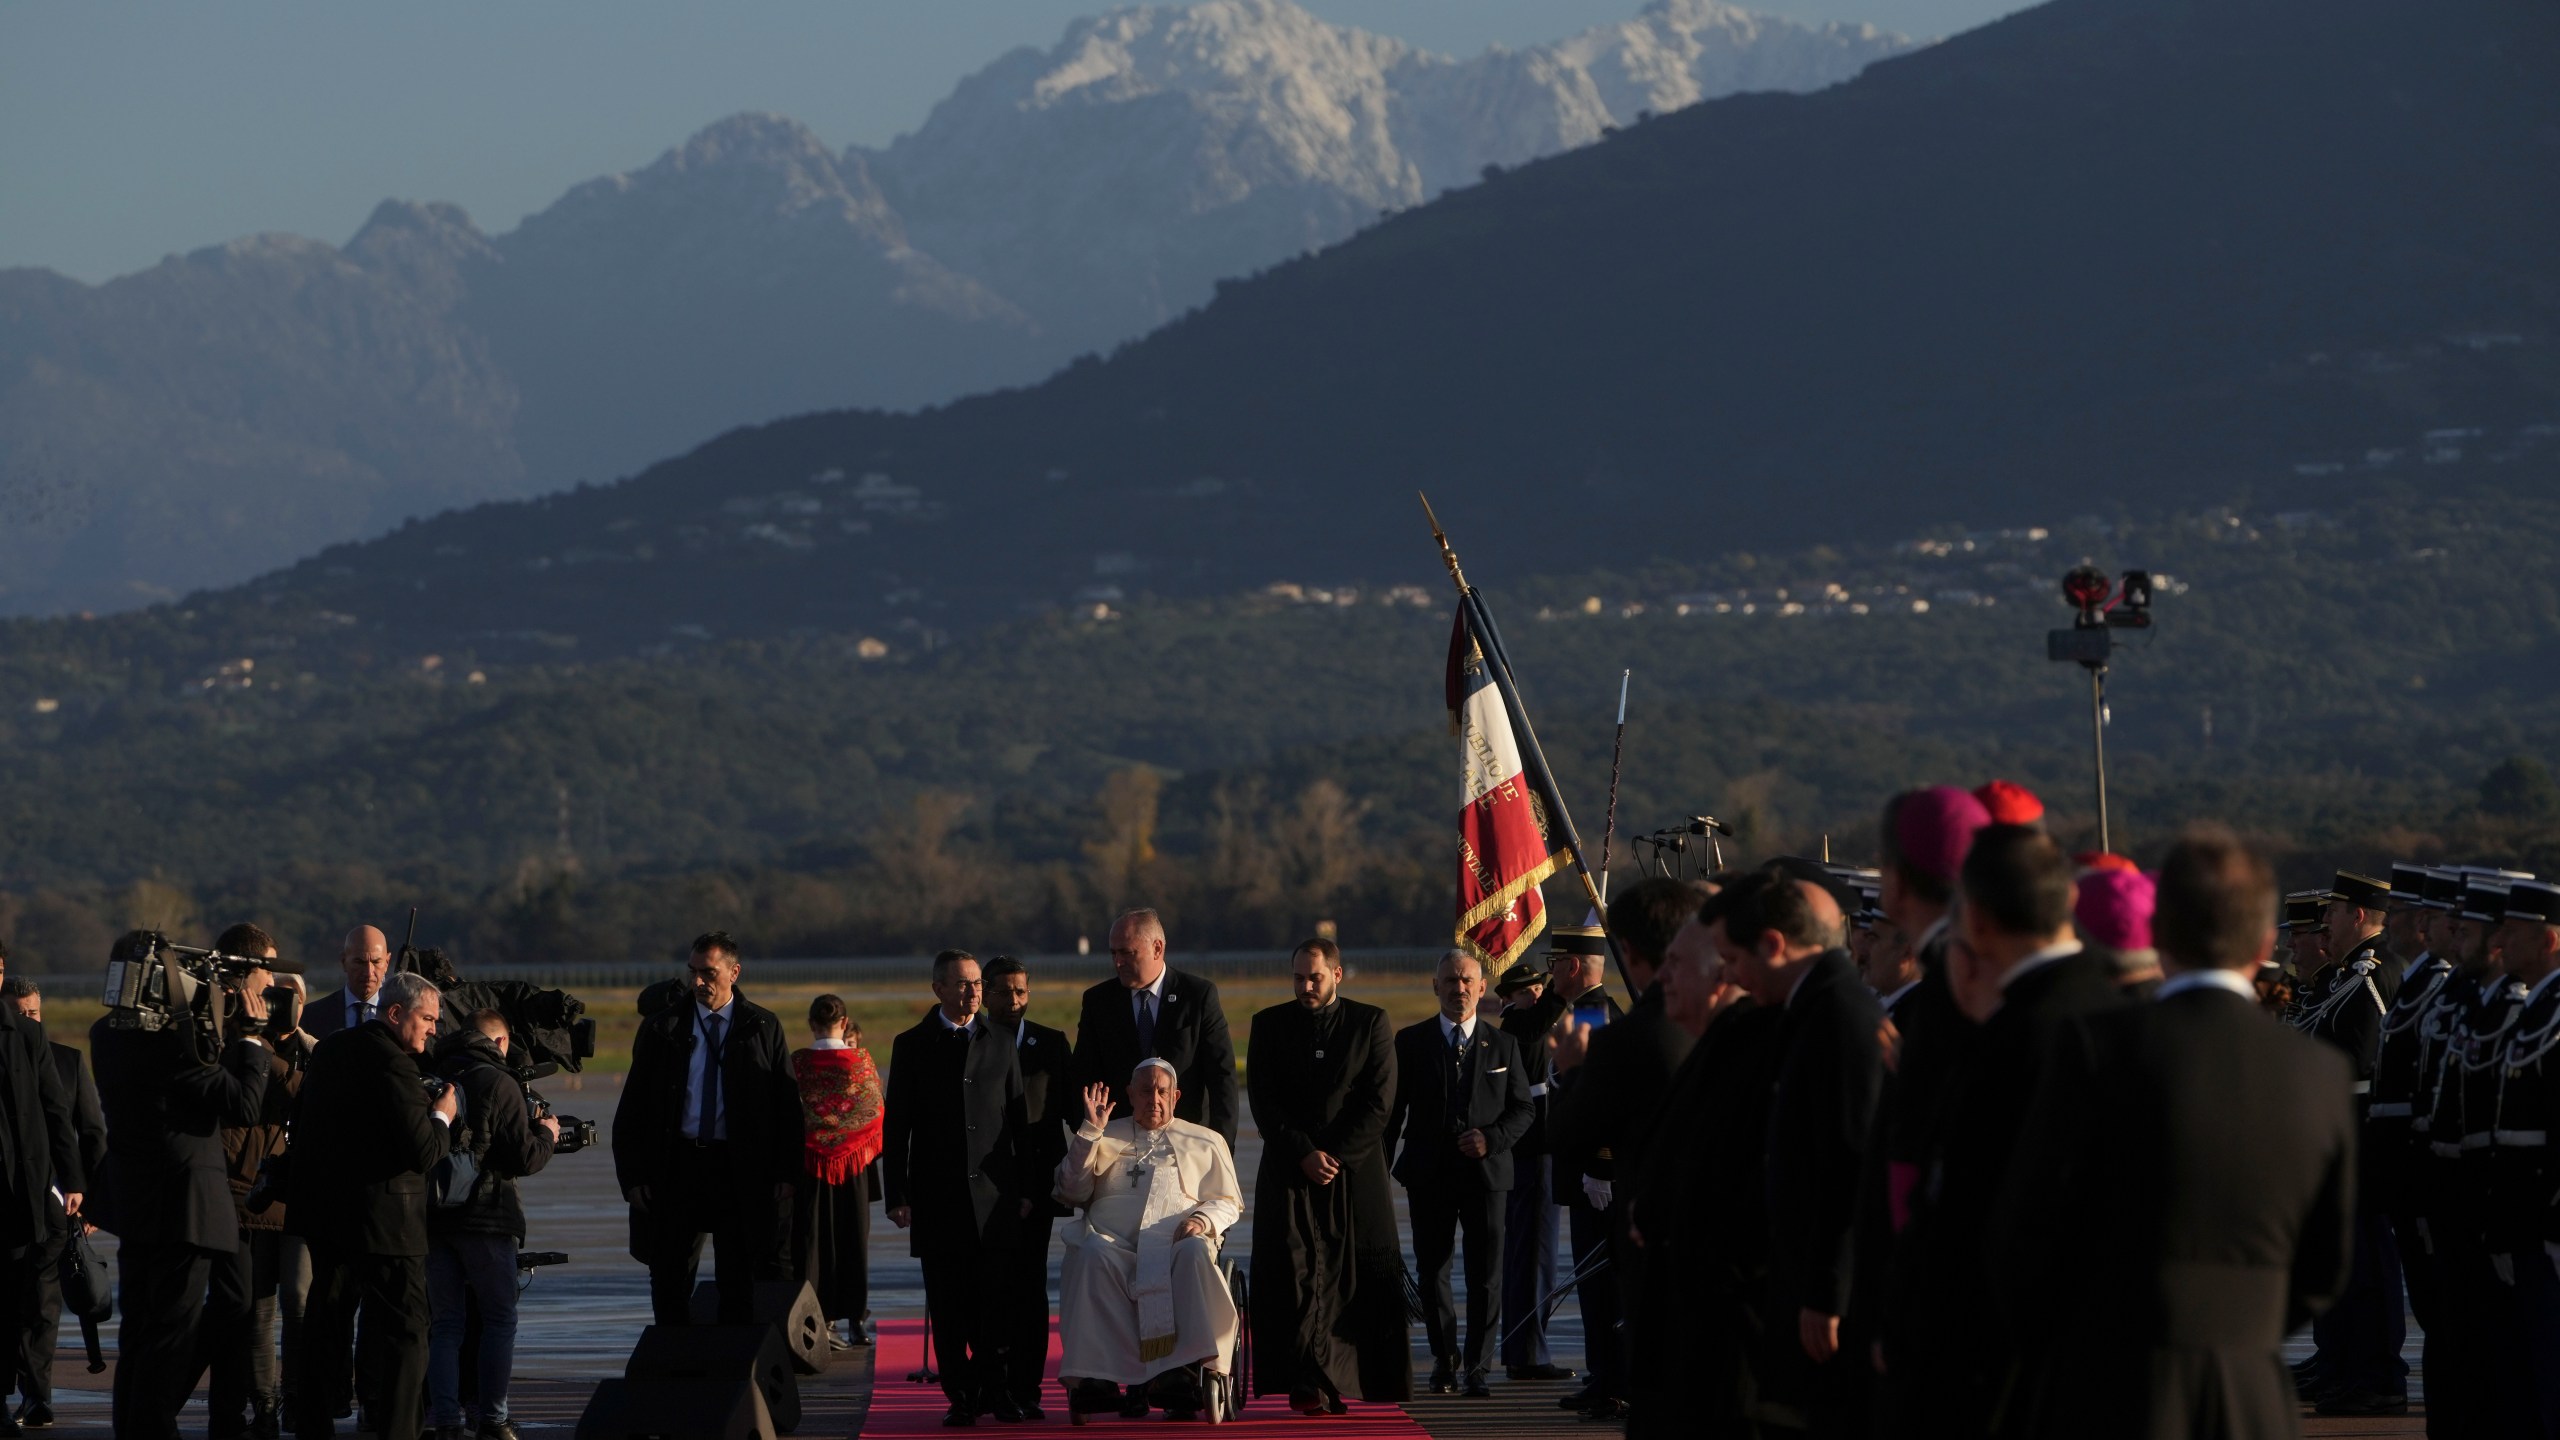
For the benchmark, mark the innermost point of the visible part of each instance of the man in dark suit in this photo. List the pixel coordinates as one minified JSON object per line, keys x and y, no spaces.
{"x":1773,"y":931}
{"x":1148,"y":1010}
{"x":1462,"y":1104}
{"x":35,"y":1351}
{"x":707,"y":1140}
{"x":2017,"y":969}
{"x":952,"y":1170}
{"x":365,"y":959}
{"x":165,"y":1105}
{"x":364,"y":1135}
{"x":2227,"y":1224}
{"x":1328,"y":1271}
{"x":1697,"y":1214}
{"x":1049,"y":1101}
{"x":43,"y":1148}
{"x":1603,"y":1110}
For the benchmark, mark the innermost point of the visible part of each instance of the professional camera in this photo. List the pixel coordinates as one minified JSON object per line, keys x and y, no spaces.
{"x":575,"y":1134}
{"x":153,"y":984}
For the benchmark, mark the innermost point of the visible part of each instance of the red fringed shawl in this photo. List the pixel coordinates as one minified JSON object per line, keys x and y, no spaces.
{"x":839,"y":1111}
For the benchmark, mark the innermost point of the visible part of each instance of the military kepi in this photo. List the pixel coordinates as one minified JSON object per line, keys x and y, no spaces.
{"x":1577,"y":940}
{"x":2361,"y":890}
{"x":2535,"y":900}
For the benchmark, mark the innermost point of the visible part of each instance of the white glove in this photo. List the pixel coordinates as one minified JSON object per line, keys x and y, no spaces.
{"x":2505,"y":1266}
{"x":1597,"y":1192}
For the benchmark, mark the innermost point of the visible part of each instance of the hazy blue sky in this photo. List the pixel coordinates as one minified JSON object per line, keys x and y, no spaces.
{"x":135,"y":129}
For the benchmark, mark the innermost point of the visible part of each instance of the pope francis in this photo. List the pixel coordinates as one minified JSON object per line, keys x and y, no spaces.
{"x":1139,"y":1294}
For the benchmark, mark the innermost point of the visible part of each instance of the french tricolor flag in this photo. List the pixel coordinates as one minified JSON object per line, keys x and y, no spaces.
{"x":1503,"y":852}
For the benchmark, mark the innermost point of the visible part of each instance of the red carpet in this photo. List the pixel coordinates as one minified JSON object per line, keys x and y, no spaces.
{"x":899,"y":1408}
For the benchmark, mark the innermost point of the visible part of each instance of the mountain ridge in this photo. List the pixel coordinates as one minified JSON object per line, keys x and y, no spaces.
{"x":195,"y":424}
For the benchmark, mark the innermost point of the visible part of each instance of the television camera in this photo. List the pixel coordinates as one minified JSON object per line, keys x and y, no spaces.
{"x":153,"y":983}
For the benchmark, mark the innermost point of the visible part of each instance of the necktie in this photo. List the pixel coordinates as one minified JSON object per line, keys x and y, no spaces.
{"x":1146,"y":1025}
{"x":709,"y":1128}
{"x":364,"y":1011}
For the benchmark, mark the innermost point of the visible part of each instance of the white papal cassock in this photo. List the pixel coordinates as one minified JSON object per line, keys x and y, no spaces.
{"x":1133,"y":1300}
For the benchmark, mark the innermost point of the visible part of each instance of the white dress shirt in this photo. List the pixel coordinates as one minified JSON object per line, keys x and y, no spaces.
{"x":1456,"y":1033}
{"x":359,"y":1011}
{"x":2231,"y":980}
{"x":692,"y":1121}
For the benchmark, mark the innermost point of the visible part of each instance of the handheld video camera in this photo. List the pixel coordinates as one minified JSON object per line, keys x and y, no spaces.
{"x":153,"y":984}
{"x":575,"y":1134}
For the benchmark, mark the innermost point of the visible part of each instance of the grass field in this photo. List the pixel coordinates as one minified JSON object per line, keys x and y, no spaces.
{"x":881,"y":1010}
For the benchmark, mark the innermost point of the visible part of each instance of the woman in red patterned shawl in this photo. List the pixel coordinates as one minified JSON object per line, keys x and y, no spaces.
{"x":840,"y":1115}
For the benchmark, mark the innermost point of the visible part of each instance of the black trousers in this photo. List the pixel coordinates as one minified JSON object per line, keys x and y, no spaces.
{"x":238,"y":1343}
{"x":1603,"y":1352}
{"x":160,"y":1287}
{"x":1026,"y":1338}
{"x":965,"y":1301}
{"x":704,"y":1194}
{"x":390,"y":1347}
{"x":1443,"y":1215}
{"x":2359,"y":1338}
{"x":43,"y":1309}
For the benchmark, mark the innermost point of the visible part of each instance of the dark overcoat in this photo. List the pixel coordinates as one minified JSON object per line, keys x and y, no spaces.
{"x":364,"y":1137}
{"x":952,"y":1136}
{"x":39,"y":1144}
{"x":165,"y":1110}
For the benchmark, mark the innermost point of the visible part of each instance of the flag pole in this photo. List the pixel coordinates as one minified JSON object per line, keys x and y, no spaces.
{"x":1617,"y":752}
{"x":1533,"y":756}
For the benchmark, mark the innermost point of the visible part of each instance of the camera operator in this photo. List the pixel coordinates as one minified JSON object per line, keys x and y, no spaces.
{"x":165,"y":1102}
{"x":44,"y":1314}
{"x":239,"y":1336}
{"x":471,"y":1248}
{"x":364,"y":1135}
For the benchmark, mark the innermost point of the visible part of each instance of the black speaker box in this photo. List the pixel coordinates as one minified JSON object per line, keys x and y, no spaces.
{"x":675,"y":1410}
{"x":789,"y":1306}
{"x":753,"y":1353}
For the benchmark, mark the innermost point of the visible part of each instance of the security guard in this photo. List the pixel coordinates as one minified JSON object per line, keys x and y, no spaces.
{"x":2358,"y":1369}
{"x":2393,"y":1162}
{"x":2524,"y":1215}
{"x":2464,"y":1040}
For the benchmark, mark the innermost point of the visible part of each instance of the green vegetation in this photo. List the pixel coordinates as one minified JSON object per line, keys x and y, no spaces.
{"x":2354,"y":686}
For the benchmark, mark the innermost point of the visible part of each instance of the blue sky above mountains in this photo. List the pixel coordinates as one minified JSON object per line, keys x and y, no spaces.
{"x":131,"y":131}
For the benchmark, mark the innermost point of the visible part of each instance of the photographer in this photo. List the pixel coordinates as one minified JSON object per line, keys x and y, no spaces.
{"x":165,"y":1103}
{"x":239,"y":1338}
{"x":364,"y":1135}
{"x":472,"y":1247}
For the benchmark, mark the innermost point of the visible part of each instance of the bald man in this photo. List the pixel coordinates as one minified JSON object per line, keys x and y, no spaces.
{"x":364,"y":958}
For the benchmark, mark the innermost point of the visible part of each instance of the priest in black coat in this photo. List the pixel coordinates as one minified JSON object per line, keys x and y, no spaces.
{"x":1150,"y":1011}
{"x":1328,"y":1266}
{"x":2019,"y":972}
{"x":1049,"y":1108}
{"x":2217,"y":1150}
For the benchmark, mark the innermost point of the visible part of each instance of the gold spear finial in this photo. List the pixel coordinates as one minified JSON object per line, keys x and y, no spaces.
{"x":1448,"y":556}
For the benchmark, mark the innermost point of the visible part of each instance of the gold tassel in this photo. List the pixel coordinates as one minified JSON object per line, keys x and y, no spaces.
{"x":1155,"y":1349}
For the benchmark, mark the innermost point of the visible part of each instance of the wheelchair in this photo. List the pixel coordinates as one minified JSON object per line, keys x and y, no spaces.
{"x":1222,"y":1393}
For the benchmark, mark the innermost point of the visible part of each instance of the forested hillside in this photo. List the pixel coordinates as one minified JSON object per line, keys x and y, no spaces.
{"x":2340,"y":680}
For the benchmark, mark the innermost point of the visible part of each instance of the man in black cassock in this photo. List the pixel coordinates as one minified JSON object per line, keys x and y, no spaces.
{"x":1328,"y":1269}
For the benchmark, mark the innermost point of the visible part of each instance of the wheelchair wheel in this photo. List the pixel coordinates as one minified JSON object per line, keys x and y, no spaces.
{"x":1240,"y":1372}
